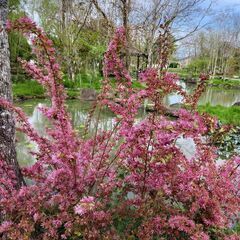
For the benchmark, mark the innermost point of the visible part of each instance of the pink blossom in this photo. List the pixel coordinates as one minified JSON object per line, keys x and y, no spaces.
{"x":85,"y":205}
{"x":79,"y":185}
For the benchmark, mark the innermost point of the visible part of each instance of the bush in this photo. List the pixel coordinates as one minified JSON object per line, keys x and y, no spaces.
{"x":130,"y":182}
{"x":84,"y":80}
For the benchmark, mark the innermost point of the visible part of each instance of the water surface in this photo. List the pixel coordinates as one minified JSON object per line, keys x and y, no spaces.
{"x":79,"y":114}
{"x":214,"y":96}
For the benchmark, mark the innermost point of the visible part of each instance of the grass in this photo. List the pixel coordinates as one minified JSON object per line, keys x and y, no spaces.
{"x":32,"y":89}
{"x":227,"y":115}
{"x":73,"y":93}
{"x":27,"y":89}
{"x":228,"y":83}
{"x":184,"y":72}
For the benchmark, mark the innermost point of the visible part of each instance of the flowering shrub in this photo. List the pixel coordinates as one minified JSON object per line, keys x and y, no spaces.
{"x":129,"y":182}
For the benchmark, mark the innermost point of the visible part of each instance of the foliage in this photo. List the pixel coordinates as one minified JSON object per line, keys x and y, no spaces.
{"x":18,"y":45}
{"x":130,"y":182}
{"x":198,"y":65}
{"x":84,"y":80}
{"x":173,"y":65}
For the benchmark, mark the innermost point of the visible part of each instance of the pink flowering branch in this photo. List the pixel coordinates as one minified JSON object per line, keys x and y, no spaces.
{"x":88,"y":187}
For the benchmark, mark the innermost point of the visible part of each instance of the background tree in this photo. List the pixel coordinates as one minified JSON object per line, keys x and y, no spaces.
{"x":80,"y":29}
{"x":143,"y":20}
{"x":216,"y":50}
{"x":78,"y":36}
{"x":18,"y":45}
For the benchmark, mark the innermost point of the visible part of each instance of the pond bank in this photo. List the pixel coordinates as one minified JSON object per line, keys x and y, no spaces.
{"x":79,"y":110}
{"x":227,"y":115}
{"x":32,"y":90}
{"x":220,"y":83}
{"x":210,"y":101}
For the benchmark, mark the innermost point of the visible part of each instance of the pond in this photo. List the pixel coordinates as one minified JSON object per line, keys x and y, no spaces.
{"x":214,"y":96}
{"x":79,"y":113}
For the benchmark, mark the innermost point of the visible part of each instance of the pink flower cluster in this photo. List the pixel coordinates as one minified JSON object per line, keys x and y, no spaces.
{"x":129,"y":182}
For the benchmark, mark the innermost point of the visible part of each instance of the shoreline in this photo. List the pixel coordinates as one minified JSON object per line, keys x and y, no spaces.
{"x":26,"y":98}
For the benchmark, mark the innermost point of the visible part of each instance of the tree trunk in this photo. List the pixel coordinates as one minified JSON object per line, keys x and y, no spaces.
{"x":126,"y":5}
{"x":63,"y":14}
{"x":7,"y":123}
{"x":150,"y":54}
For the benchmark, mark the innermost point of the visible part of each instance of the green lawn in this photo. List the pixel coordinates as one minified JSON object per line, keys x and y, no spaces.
{"x":32,"y":89}
{"x":28,"y":89}
{"x":228,"y":115}
{"x":228,"y":83}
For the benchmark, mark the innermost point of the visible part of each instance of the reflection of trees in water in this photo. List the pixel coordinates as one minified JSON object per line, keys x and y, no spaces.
{"x":24,"y":145}
{"x":105,"y":120}
{"x":23,"y":153}
{"x":38,"y":121}
{"x":79,"y":114}
{"x":220,"y":97}
{"x":213,"y":96}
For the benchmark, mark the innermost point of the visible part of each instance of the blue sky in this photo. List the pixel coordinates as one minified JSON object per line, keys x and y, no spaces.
{"x":227,"y":3}
{"x":218,"y":7}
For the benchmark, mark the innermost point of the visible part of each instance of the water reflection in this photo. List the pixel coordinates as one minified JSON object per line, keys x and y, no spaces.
{"x":213,"y":96}
{"x":222,"y":97}
{"x":79,"y":114}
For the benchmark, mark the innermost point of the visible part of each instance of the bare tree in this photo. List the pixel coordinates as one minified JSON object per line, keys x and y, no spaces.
{"x":218,"y":48}
{"x":179,"y":15}
{"x":7,"y":124}
{"x":147,"y":17}
{"x":123,"y":9}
